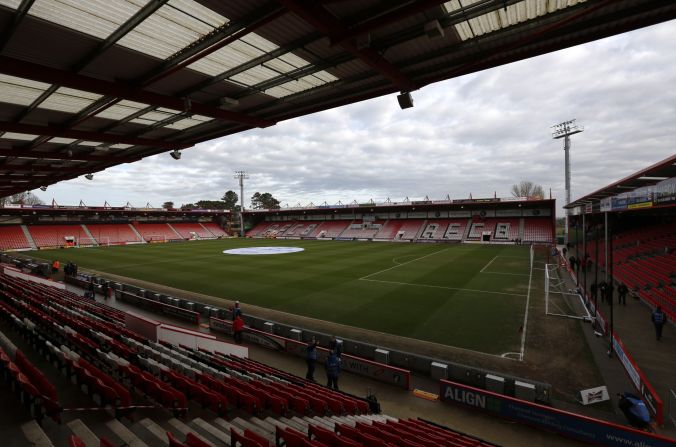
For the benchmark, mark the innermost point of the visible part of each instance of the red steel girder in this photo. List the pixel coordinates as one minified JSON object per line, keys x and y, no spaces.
{"x":384,"y":20}
{"x":54,"y":131}
{"x":324,"y":22}
{"x":39,"y":155}
{"x":28,"y":70}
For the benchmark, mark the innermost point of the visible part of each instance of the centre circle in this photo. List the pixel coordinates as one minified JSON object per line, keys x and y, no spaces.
{"x":262,"y":250}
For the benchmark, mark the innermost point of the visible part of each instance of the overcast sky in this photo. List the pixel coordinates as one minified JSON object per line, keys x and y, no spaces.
{"x":476,"y":134}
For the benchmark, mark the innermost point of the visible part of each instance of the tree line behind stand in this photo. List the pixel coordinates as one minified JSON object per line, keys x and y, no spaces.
{"x":229,"y":202}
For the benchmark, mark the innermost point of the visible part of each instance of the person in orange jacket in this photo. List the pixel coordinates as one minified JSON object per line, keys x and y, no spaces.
{"x":55,"y":266}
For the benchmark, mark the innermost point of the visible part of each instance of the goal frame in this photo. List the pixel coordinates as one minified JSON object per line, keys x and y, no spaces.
{"x":549,"y":285}
{"x":86,"y":241}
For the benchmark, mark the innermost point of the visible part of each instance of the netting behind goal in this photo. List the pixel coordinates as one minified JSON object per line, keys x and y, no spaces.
{"x":562,"y":302}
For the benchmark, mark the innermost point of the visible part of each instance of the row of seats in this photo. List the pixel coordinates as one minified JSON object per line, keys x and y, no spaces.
{"x":12,"y":237}
{"x":536,"y":229}
{"x":644,"y":260}
{"x":111,"y":365}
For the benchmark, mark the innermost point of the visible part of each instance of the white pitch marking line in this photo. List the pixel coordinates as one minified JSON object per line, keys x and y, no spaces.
{"x":403,"y":263}
{"x":441,"y":287}
{"x":504,"y":273}
{"x":489,"y":263}
{"x":525,"y":318}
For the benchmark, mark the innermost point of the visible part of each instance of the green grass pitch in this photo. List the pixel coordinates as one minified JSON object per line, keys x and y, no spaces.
{"x":469,"y":296}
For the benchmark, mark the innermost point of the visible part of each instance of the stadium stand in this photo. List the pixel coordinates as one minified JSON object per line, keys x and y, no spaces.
{"x":506,"y":229}
{"x":644,"y":260}
{"x":214,"y":229}
{"x":12,"y":237}
{"x":88,"y":343}
{"x":113,"y":233}
{"x":444,"y":229}
{"x":538,"y":229}
{"x":363,"y":229}
{"x":55,"y":235}
{"x":329,"y":229}
{"x":154,"y":232}
{"x":408,"y":230}
{"x":186,"y":230}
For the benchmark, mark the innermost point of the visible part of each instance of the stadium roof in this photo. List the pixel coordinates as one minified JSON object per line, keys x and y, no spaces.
{"x":87,"y":85}
{"x":651,"y":175}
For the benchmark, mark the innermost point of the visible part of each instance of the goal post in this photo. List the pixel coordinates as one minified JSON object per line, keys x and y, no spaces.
{"x":559,"y":301}
{"x":86,"y":241}
{"x":155,"y":238}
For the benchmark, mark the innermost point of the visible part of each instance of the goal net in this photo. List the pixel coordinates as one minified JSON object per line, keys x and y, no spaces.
{"x":155,"y":238}
{"x":91,"y":242}
{"x":562,"y":302}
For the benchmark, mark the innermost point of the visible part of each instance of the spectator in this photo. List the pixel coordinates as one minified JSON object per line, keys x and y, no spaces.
{"x":334,"y":345}
{"x":589,"y":263}
{"x":571,"y":262}
{"x":603,"y":288}
{"x":622,"y":291}
{"x":236,"y":311}
{"x":237,"y":329}
{"x":658,"y":318}
{"x":55,"y":266}
{"x":592,"y":290}
{"x":311,"y":357}
{"x":564,"y":250}
{"x":105,"y":290}
{"x":332,"y":370}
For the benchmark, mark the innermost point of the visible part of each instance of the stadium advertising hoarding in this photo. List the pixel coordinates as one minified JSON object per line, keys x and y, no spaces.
{"x":167,"y":309}
{"x":357,"y":365}
{"x":571,"y":425}
{"x":650,"y":397}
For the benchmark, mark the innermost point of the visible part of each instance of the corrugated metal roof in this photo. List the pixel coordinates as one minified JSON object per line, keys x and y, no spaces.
{"x":69,"y":100}
{"x":503,"y":18}
{"x":18,"y":136}
{"x":98,"y":18}
{"x":137,"y":74}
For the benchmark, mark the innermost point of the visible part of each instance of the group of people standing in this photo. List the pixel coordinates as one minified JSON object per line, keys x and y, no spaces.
{"x":332,"y":362}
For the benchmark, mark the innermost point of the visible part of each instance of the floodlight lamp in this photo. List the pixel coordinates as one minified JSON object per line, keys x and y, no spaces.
{"x":175,"y":154}
{"x":405,"y":100}
{"x":89,"y":176}
{"x":43,"y":188}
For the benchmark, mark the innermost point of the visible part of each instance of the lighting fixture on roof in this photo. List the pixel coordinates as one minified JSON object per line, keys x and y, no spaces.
{"x":405,"y":100}
{"x":658,"y":179}
{"x":43,"y":188}
{"x":434,"y":30}
{"x":89,"y":176}
{"x":69,"y":153}
{"x":364,"y":41}
{"x":227,"y":102}
{"x":175,"y":154}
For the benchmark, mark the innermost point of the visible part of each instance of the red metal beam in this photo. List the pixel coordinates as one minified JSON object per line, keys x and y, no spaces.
{"x":54,"y":131}
{"x":42,"y":169}
{"x":217,"y":46}
{"x":28,"y":70}
{"x":329,"y":25}
{"x":24,"y":153}
{"x":384,"y":20}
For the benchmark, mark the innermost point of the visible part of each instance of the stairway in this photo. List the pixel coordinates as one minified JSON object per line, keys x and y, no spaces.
{"x":29,"y":238}
{"x":174,"y":230}
{"x":89,"y":235}
{"x":140,"y":238}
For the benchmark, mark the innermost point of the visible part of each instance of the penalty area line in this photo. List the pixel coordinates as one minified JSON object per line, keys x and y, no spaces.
{"x":525,"y":318}
{"x":441,"y":287}
{"x":403,"y":263}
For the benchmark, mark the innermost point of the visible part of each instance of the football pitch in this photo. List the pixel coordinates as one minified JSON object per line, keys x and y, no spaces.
{"x":469,"y":296}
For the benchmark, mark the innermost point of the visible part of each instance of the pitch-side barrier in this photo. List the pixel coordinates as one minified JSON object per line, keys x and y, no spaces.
{"x":565,"y":423}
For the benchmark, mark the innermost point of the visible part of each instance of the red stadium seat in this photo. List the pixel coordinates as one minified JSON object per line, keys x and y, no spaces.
{"x":74,"y":441}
